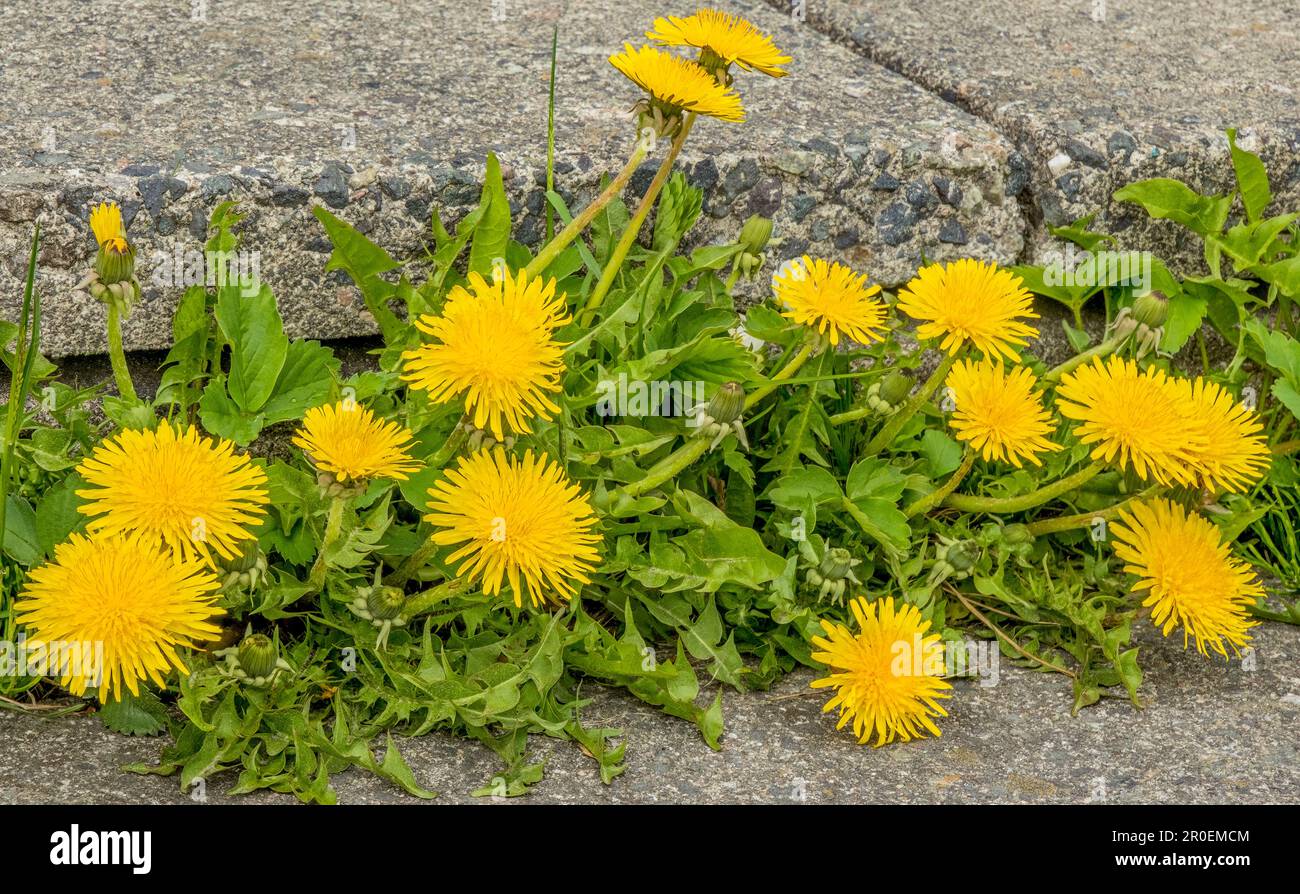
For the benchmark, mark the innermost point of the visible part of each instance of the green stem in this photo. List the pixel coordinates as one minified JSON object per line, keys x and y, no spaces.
{"x":451,"y":446}
{"x":413,"y":563}
{"x":1004,"y":505}
{"x":116,"y":355}
{"x":1285,"y":448}
{"x":570,"y":232}
{"x":629,"y":236}
{"x":895,"y":423}
{"x":668,"y":467}
{"x":1085,"y":519}
{"x":333,"y":525}
{"x":1267,"y":614}
{"x":930,"y":500}
{"x":1104,"y":349}
{"x":795,"y":364}
{"x":423,"y":601}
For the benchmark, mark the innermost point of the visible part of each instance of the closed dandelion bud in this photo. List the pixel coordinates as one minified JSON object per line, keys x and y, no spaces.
{"x":385,"y":603}
{"x":755,"y":234}
{"x":962,"y":555}
{"x":257,"y":655}
{"x":728,"y":404}
{"x":1152,"y":309}
{"x":895,"y":388}
{"x":837,"y":563}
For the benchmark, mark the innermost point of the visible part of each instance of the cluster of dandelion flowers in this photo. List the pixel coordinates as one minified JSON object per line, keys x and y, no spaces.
{"x":1134,"y":418}
{"x":998,"y":412}
{"x":496,"y":347}
{"x":970,"y":301}
{"x":1229,"y":452}
{"x":346,"y":441}
{"x":519,"y":522}
{"x":106,"y":224}
{"x":724,"y":37}
{"x":830,"y":298}
{"x":1182,"y":563}
{"x":194,"y":494}
{"x":887,"y":676}
{"x":141,"y":603}
{"x":677,"y":83}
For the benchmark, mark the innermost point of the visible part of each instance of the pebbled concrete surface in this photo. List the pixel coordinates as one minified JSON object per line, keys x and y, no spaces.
{"x":383,"y":111}
{"x":1213,"y":732}
{"x":1098,"y":93}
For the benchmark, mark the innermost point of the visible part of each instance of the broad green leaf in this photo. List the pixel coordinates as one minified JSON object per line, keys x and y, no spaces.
{"x":492,"y":234}
{"x":364,"y":262}
{"x":223,"y":418}
{"x":1174,"y":200}
{"x":1252,"y":179}
{"x":258,"y":345}
{"x":305,"y":381}
{"x":1186,"y":312}
{"x":21,"y":539}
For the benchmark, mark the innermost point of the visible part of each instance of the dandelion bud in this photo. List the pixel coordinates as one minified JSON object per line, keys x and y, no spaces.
{"x":1151,"y":309}
{"x":385,"y":603}
{"x":837,"y":563}
{"x":257,"y":655}
{"x":115,"y":262}
{"x":727,"y":404}
{"x":1016,"y":534}
{"x":895,"y":388}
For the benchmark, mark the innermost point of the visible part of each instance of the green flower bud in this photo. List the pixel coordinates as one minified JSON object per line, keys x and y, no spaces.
{"x":895,"y":388}
{"x":755,"y":233}
{"x":728,"y":404}
{"x":385,"y":603}
{"x":1151,"y":309}
{"x":1016,"y":534}
{"x":257,"y":655}
{"x":837,"y":563}
{"x":114,"y":266}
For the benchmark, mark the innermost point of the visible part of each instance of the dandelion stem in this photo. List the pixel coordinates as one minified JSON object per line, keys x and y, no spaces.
{"x":937,"y":496}
{"x":587,"y":215}
{"x":1004,"y":505}
{"x":333,"y":525}
{"x":116,"y":355}
{"x":451,"y":446}
{"x":423,"y":601}
{"x":1085,"y":519}
{"x":414,"y":563}
{"x":895,"y":423}
{"x":1285,"y":448}
{"x":795,"y":364}
{"x":669,"y":466}
{"x":1104,"y":349}
{"x":624,"y":245}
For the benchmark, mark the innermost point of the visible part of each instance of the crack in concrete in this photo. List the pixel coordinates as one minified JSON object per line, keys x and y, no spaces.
{"x":1030,"y":210}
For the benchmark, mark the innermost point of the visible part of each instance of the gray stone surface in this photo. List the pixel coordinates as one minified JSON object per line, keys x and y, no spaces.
{"x":1098,"y":93}
{"x":169,"y":116}
{"x":1212,"y":732}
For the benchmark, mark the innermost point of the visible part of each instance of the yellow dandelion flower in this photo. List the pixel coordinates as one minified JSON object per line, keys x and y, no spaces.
{"x":999,"y":413}
{"x":970,"y":301}
{"x":830,"y":298}
{"x":1229,"y":452}
{"x":106,"y":224}
{"x":1134,"y":418}
{"x":495,"y":346}
{"x":727,"y":37}
{"x":521,"y":521}
{"x":678,"y":83}
{"x":115,"y":609}
{"x":347,"y":441}
{"x":194,"y":494}
{"x":1180,"y":559}
{"x":890,"y":672}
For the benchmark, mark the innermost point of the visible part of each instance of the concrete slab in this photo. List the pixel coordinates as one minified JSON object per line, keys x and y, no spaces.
{"x":381,"y":111}
{"x":1099,"y":93}
{"x":1213,"y":732}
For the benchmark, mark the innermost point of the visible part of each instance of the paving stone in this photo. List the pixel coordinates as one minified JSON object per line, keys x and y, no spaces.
{"x":381,"y":116}
{"x":1212,"y":732}
{"x":1097,"y":94}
